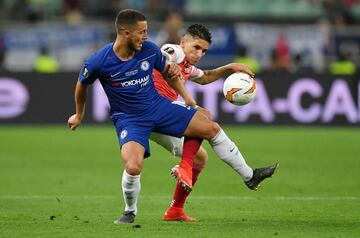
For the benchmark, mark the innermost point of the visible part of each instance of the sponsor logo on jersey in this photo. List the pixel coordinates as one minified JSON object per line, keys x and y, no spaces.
{"x":123,"y":134}
{"x":142,"y":81}
{"x":144,"y":65}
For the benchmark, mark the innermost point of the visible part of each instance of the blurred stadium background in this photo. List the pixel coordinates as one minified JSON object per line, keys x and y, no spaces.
{"x":306,"y":55}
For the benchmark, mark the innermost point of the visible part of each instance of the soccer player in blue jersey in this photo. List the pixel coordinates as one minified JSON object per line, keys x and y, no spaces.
{"x":124,"y":68}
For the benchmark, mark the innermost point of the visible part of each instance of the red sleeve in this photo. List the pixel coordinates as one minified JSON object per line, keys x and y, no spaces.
{"x":163,"y":87}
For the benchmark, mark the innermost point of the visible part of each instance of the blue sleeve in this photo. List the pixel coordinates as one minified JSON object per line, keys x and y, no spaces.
{"x":160,"y":59}
{"x":88,"y":73}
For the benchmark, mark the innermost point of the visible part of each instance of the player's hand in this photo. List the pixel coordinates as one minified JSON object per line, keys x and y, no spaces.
{"x":190,"y":102}
{"x":174,"y":70}
{"x":236,"y":67}
{"x":204,"y":111}
{"x":74,"y":121}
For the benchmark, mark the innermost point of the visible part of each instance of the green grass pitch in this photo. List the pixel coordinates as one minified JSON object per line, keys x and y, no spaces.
{"x":58,"y":183}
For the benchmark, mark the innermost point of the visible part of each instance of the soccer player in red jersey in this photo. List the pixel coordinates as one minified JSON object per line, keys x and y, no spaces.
{"x":193,"y":46}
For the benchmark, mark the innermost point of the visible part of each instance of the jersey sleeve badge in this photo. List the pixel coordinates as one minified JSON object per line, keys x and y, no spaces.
{"x":85,"y":72}
{"x":169,"y":50}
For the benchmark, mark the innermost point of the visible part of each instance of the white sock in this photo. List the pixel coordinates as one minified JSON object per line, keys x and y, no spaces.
{"x":131,"y":189}
{"x":227,"y":151}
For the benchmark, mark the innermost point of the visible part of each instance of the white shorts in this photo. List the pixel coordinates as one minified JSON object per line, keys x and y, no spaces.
{"x":172,"y":144}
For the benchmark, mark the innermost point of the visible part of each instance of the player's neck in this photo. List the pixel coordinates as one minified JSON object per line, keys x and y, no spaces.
{"x":122,"y":50}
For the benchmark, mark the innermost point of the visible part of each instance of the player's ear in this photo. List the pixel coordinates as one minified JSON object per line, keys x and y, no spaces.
{"x":182,"y":42}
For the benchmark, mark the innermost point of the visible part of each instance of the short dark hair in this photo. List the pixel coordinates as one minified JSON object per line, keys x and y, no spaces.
{"x":128,"y":17}
{"x":200,"y":31}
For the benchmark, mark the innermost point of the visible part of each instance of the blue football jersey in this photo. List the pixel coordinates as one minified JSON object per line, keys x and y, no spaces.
{"x":128,"y":84}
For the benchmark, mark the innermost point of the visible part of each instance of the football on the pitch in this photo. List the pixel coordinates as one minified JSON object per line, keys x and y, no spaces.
{"x":239,"y":88}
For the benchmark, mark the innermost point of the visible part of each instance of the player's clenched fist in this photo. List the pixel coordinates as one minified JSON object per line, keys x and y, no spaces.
{"x":73,"y":122}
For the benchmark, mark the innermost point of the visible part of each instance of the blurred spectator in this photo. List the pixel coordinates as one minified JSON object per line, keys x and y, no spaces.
{"x":350,"y":3}
{"x":72,"y":11}
{"x":274,"y":61}
{"x":157,"y":9}
{"x":301,"y":62}
{"x":343,"y":66}
{"x":298,"y":63}
{"x":46,"y":63}
{"x":337,"y":13}
{"x":36,"y":10}
{"x":283,"y":54}
{"x":106,"y":11}
{"x":177,"y":5}
{"x":172,"y":30}
{"x":243,"y":58}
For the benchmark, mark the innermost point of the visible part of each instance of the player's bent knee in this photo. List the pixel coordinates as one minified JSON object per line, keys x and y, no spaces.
{"x":133,"y":165}
{"x":216,"y":128}
{"x":207,"y":130}
{"x":133,"y":169}
{"x":213,"y":130}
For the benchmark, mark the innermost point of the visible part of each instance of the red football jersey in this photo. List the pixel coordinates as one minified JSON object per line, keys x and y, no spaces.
{"x":175,"y":54}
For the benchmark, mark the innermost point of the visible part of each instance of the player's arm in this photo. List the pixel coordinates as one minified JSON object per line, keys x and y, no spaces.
{"x":204,"y":111}
{"x":173,"y":76}
{"x":212,"y":75}
{"x":80,"y":99}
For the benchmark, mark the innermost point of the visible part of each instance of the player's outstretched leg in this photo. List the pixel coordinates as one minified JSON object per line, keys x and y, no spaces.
{"x":176,"y":210}
{"x":222,"y":145}
{"x":230,"y":154}
{"x":259,"y":175}
{"x":183,"y":171}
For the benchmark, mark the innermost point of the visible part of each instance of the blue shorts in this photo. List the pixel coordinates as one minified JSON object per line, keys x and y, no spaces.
{"x":165,"y":117}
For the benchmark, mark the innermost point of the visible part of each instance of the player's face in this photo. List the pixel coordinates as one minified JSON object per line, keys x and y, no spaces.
{"x":137,"y":35}
{"x":194,"y":48}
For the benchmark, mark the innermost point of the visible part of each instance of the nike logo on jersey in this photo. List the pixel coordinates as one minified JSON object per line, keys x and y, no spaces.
{"x":231,"y":150}
{"x":113,"y":75}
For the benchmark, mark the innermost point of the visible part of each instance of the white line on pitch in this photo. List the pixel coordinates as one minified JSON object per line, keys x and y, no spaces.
{"x":301,"y":198}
